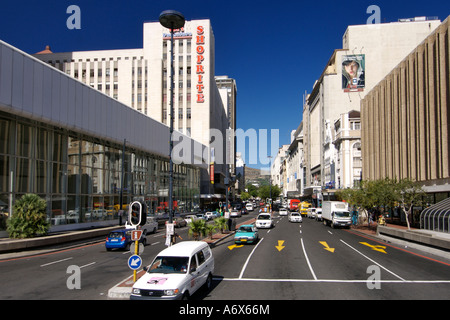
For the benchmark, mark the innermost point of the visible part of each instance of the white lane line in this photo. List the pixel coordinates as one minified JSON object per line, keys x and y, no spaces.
{"x":154,"y":243}
{"x":307,"y":260}
{"x":248,"y":259}
{"x":373,"y":261}
{"x":47,"y":264}
{"x":332,"y":280}
{"x":87,"y":265}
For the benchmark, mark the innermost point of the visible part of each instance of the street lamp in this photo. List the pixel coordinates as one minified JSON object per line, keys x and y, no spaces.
{"x":171,"y":19}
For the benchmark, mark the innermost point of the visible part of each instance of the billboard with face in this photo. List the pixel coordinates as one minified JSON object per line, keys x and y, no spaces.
{"x":353,"y":72}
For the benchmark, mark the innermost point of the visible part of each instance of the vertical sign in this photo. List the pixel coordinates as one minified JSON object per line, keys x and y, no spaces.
{"x":200,"y":67}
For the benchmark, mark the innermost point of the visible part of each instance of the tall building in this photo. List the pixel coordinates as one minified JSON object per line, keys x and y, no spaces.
{"x":140,"y":78}
{"x":369,"y":53}
{"x":405,"y":119}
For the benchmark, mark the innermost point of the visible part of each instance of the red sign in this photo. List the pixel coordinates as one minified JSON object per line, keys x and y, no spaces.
{"x":200,"y":67}
{"x":136,"y":235}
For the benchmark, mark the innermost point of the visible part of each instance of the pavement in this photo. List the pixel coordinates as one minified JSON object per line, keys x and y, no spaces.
{"x":435,"y":242}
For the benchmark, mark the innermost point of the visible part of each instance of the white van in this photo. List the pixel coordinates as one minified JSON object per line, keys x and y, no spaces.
{"x":176,"y":273}
{"x":249,"y":206}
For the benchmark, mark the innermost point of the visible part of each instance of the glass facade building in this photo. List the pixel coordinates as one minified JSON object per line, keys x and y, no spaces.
{"x":81,"y":177}
{"x":83,"y":151}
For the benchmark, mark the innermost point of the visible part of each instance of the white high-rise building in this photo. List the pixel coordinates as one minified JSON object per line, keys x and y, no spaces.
{"x":140,"y":78}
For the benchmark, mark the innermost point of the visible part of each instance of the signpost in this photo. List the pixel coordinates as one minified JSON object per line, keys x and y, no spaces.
{"x":134,"y":263}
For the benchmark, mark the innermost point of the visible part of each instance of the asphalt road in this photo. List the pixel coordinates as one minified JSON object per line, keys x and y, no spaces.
{"x":291,"y":261}
{"x":301,"y":267}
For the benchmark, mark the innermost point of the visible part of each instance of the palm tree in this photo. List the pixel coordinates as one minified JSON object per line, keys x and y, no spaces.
{"x":221,"y":224}
{"x":197,"y":228}
{"x":209,"y":230}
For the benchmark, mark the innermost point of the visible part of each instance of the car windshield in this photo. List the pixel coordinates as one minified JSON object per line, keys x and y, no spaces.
{"x":169,"y":265}
{"x":245,"y":229}
{"x":264,"y":217}
{"x":295,"y":214}
{"x":342,"y":214}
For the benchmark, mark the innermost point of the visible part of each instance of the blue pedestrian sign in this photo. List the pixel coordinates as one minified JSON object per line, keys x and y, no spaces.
{"x":134,"y":262}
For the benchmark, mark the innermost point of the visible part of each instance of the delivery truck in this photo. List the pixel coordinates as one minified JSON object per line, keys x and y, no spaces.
{"x":336,"y":214}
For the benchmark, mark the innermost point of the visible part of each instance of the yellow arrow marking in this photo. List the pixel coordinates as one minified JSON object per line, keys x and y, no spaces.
{"x":376,"y":248}
{"x":235,"y":246}
{"x":280,"y":245}
{"x":327,"y":247}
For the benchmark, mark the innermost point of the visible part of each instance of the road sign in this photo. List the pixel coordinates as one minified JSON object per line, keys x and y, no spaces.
{"x":136,"y":235}
{"x":134,"y":262}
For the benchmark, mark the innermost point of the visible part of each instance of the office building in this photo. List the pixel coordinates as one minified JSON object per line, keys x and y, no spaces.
{"x":405,"y":119}
{"x":81,"y":150}
{"x":140,"y":78}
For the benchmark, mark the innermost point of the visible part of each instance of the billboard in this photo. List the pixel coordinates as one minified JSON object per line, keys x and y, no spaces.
{"x":353,"y":72}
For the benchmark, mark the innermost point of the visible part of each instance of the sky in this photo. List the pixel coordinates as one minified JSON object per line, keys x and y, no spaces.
{"x":275,"y":50}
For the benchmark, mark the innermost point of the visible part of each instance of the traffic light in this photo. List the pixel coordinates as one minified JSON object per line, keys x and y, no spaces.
{"x":138,"y":214}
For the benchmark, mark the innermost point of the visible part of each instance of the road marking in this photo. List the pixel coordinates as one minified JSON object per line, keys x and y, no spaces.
{"x":235,"y":246}
{"x":47,"y":264}
{"x":332,"y":280}
{"x":327,"y":247}
{"x":280,"y":245}
{"x":154,"y":243}
{"x":248,"y":259}
{"x":87,"y":265}
{"x":330,"y":232}
{"x":373,"y":261}
{"x":378,"y":248}
{"x":307,"y":260}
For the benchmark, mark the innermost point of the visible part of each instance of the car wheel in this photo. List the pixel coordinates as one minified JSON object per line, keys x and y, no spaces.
{"x":185,"y":296}
{"x":208,"y":283}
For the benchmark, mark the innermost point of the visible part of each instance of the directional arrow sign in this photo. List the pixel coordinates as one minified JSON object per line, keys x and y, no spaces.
{"x":134,"y":262}
{"x":235,"y":246}
{"x":327,"y":247}
{"x":280,"y":245}
{"x":376,"y":248}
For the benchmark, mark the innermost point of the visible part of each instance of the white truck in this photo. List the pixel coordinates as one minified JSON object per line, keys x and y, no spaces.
{"x":336,"y":214}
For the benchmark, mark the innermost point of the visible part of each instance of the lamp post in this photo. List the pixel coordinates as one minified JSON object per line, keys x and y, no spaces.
{"x":171,"y":19}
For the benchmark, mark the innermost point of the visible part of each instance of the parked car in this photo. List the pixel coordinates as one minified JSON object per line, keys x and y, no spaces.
{"x":121,"y":239}
{"x":151,"y":226}
{"x":179,"y":222}
{"x":210,"y":215}
{"x":201,"y":216}
{"x":264,"y":220}
{"x":283,"y":212}
{"x":295,"y":217}
{"x":235,"y":213}
{"x":246,"y":233}
{"x":176,"y":273}
{"x":190,"y":218}
{"x":318,"y":214}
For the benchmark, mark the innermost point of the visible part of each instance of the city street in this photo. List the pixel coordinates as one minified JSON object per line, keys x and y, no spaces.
{"x":317,"y":262}
{"x":292,"y":261}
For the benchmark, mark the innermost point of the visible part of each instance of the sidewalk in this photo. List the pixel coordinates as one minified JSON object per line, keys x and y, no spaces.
{"x":433,"y":239}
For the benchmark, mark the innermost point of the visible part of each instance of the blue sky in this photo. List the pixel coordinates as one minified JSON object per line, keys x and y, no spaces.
{"x":274,"y":49}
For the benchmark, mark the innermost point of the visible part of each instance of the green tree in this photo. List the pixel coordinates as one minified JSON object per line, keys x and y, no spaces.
{"x":408,"y":194}
{"x":221,"y":224}
{"x":245,"y":196}
{"x":264,"y":192}
{"x":197,"y":228}
{"x":209,"y":229}
{"x":29,"y":217}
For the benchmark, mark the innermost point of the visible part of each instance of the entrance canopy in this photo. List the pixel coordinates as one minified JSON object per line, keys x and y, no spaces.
{"x":436,"y":217}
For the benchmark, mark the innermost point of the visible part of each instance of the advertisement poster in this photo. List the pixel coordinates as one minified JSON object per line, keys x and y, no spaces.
{"x":353,"y":72}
